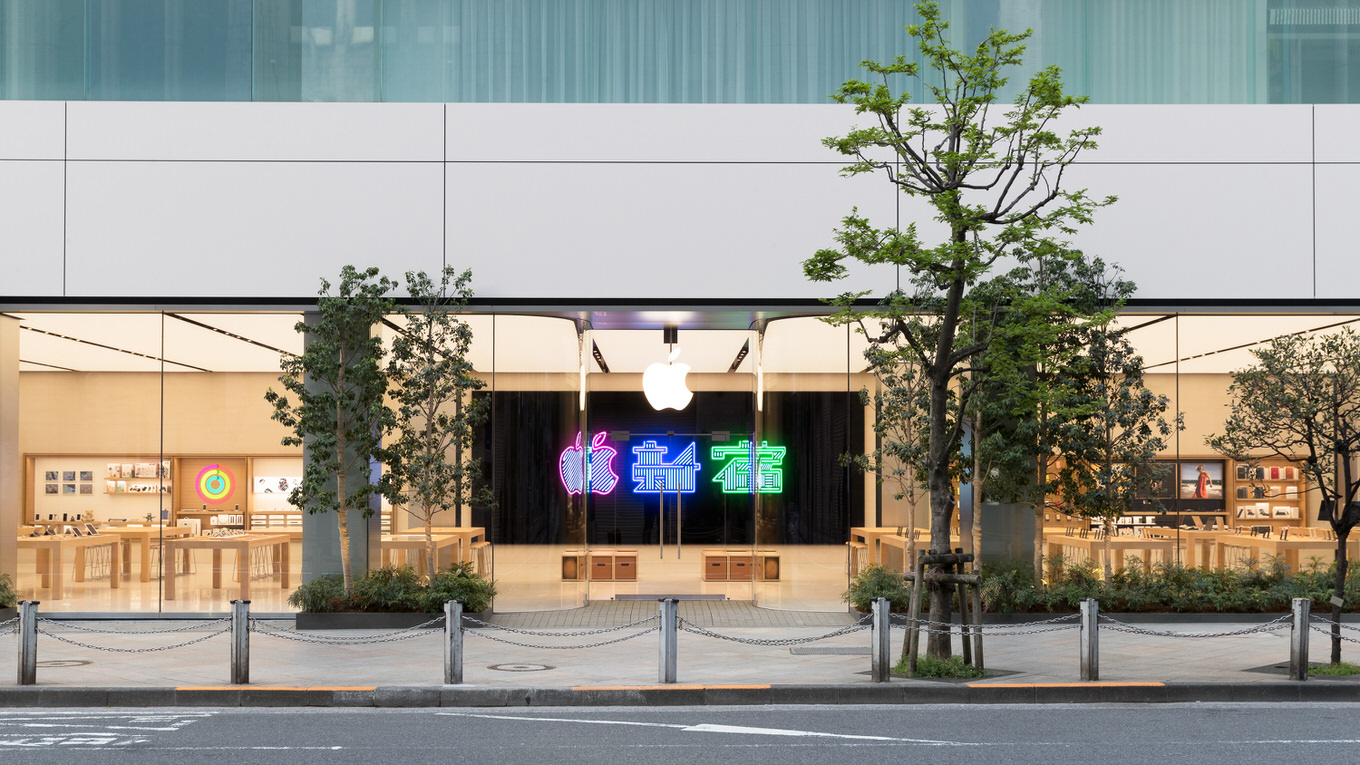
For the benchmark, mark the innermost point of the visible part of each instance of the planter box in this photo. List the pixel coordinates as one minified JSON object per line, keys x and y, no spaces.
{"x":367,"y":621}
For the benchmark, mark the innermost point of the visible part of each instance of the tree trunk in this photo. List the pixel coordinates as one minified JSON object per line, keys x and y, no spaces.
{"x":342,"y":514}
{"x":1040,"y":511}
{"x":1339,"y":591}
{"x":941,"y":514}
{"x":1109,"y":549}
{"x":429,"y":544}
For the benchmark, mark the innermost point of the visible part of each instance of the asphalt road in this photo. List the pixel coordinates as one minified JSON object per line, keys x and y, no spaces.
{"x":1052,"y":734}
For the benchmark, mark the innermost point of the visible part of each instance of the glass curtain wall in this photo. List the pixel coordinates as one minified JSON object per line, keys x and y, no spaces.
{"x":97,"y":474}
{"x":655,"y":51}
{"x":533,"y":369}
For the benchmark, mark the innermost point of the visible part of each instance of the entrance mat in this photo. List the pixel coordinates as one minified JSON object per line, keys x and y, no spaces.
{"x":668,"y":596}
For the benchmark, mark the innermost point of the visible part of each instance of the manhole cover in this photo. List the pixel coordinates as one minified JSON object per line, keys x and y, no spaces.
{"x":62,"y":663}
{"x":520,"y":667}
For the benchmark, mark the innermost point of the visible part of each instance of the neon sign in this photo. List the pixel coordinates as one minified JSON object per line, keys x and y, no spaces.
{"x":736,"y":475}
{"x":592,"y":466}
{"x":656,"y":477}
{"x":745,"y":468}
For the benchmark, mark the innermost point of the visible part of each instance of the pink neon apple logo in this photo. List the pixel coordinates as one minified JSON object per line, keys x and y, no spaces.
{"x":597,"y":464}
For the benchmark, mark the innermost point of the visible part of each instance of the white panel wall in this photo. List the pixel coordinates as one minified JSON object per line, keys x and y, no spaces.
{"x":31,"y":150}
{"x":1338,"y":200}
{"x":574,"y":202}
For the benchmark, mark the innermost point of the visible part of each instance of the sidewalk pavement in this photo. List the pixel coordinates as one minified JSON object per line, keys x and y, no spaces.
{"x":132,"y":664}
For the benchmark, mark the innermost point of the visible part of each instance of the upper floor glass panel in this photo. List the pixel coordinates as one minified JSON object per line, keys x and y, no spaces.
{"x":653,"y":51}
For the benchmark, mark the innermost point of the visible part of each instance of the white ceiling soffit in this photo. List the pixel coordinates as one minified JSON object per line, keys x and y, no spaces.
{"x":808,"y":344}
{"x":704,"y":350}
{"x":132,"y":342}
{"x":1219,"y":344}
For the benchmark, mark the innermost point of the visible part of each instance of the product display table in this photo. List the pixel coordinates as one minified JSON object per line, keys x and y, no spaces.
{"x":143,"y":536}
{"x":1118,"y":547}
{"x":242,"y":544}
{"x":50,"y":552}
{"x":1290,"y":548}
{"x":401,"y":548}
{"x":467,"y":537}
{"x":869,"y":536}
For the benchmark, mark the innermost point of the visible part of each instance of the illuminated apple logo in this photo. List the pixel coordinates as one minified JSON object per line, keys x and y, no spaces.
{"x":594,"y":468}
{"x":664,"y":384}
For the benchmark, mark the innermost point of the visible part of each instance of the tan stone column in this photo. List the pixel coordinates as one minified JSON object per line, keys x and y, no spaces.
{"x":11,"y":461}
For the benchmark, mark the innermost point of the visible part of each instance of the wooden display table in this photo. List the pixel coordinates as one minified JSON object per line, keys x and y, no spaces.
{"x":242,"y":544}
{"x":143,"y":536}
{"x":1260,"y":546}
{"x":869,"y":536}
{"x":467,"y":537}
{"x":401,"y":547}
{"x":1118,"y":546}
{"x":50,"y":552}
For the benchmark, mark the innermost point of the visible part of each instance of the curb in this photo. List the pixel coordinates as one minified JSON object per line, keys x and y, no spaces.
{"x":678,"y":695}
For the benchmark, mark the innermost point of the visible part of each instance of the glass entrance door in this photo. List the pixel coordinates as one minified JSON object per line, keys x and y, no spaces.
{"x":675,"y":475}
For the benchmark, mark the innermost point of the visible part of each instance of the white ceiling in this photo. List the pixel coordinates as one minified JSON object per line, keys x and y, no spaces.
{"x":251,"y":342}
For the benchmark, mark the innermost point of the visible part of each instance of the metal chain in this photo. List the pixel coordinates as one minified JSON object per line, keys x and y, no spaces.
{"x":900,"y":620}
{"x":1328,"y":632}
{"x":1270,"y":626}
{"x":498,"y":639}
{"x":1320,"y":619}
{"x":862,"y":624}
{"x":543,"y":633}
{"x":134,"y":650}
{"x":387,"y":637}
{"x":991,"y":631}
{"x":185,"y":628}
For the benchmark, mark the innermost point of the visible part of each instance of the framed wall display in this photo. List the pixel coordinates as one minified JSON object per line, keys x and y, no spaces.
{"x":87,"y":488}
{"x":1203,"y":480}
{"x":51,"y":488}
{"x":50,"y":475}
{"x":68,"y":488}
{"x":87,"y":475}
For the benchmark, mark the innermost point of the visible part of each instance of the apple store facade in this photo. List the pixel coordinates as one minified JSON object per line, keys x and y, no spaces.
{"x":635,"y":187}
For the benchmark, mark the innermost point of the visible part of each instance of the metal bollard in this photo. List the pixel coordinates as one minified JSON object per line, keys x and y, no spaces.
{"x":240,"y":642}
{"x":1298,"y":640}
{"x":667,"y":645}
{"x":28,"y":642}
{"x":1090,"y":639}
{"x":880,"y":664}
{"x":453,"y":642}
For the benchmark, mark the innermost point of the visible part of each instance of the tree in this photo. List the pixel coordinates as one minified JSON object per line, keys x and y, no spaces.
{"x":995,"y":182}
{"x":340,"y":416}
{"x":1025,"y":392}
{"x":1301,"y":400}
{"x":436,"y":415}
{"x":1109,"y":455}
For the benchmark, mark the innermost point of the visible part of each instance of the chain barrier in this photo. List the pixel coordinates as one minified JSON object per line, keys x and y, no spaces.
{"x":654,"y":628}
{"x":1327,"y":620}
{"x":419,"y":630}
{"x":9,"y":626}
{"x":1270,"y":626}
{"x":185,"y":628}
{"x":987,"y":630}
{"x":209,"y":636}
{"x":1318,"y":623}
{"x":864,"y":623}
{"x":545,"y":633}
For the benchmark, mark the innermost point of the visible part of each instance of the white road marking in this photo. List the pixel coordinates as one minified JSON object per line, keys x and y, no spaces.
{"x":88,"y":729}
{"x":712,"y":728}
